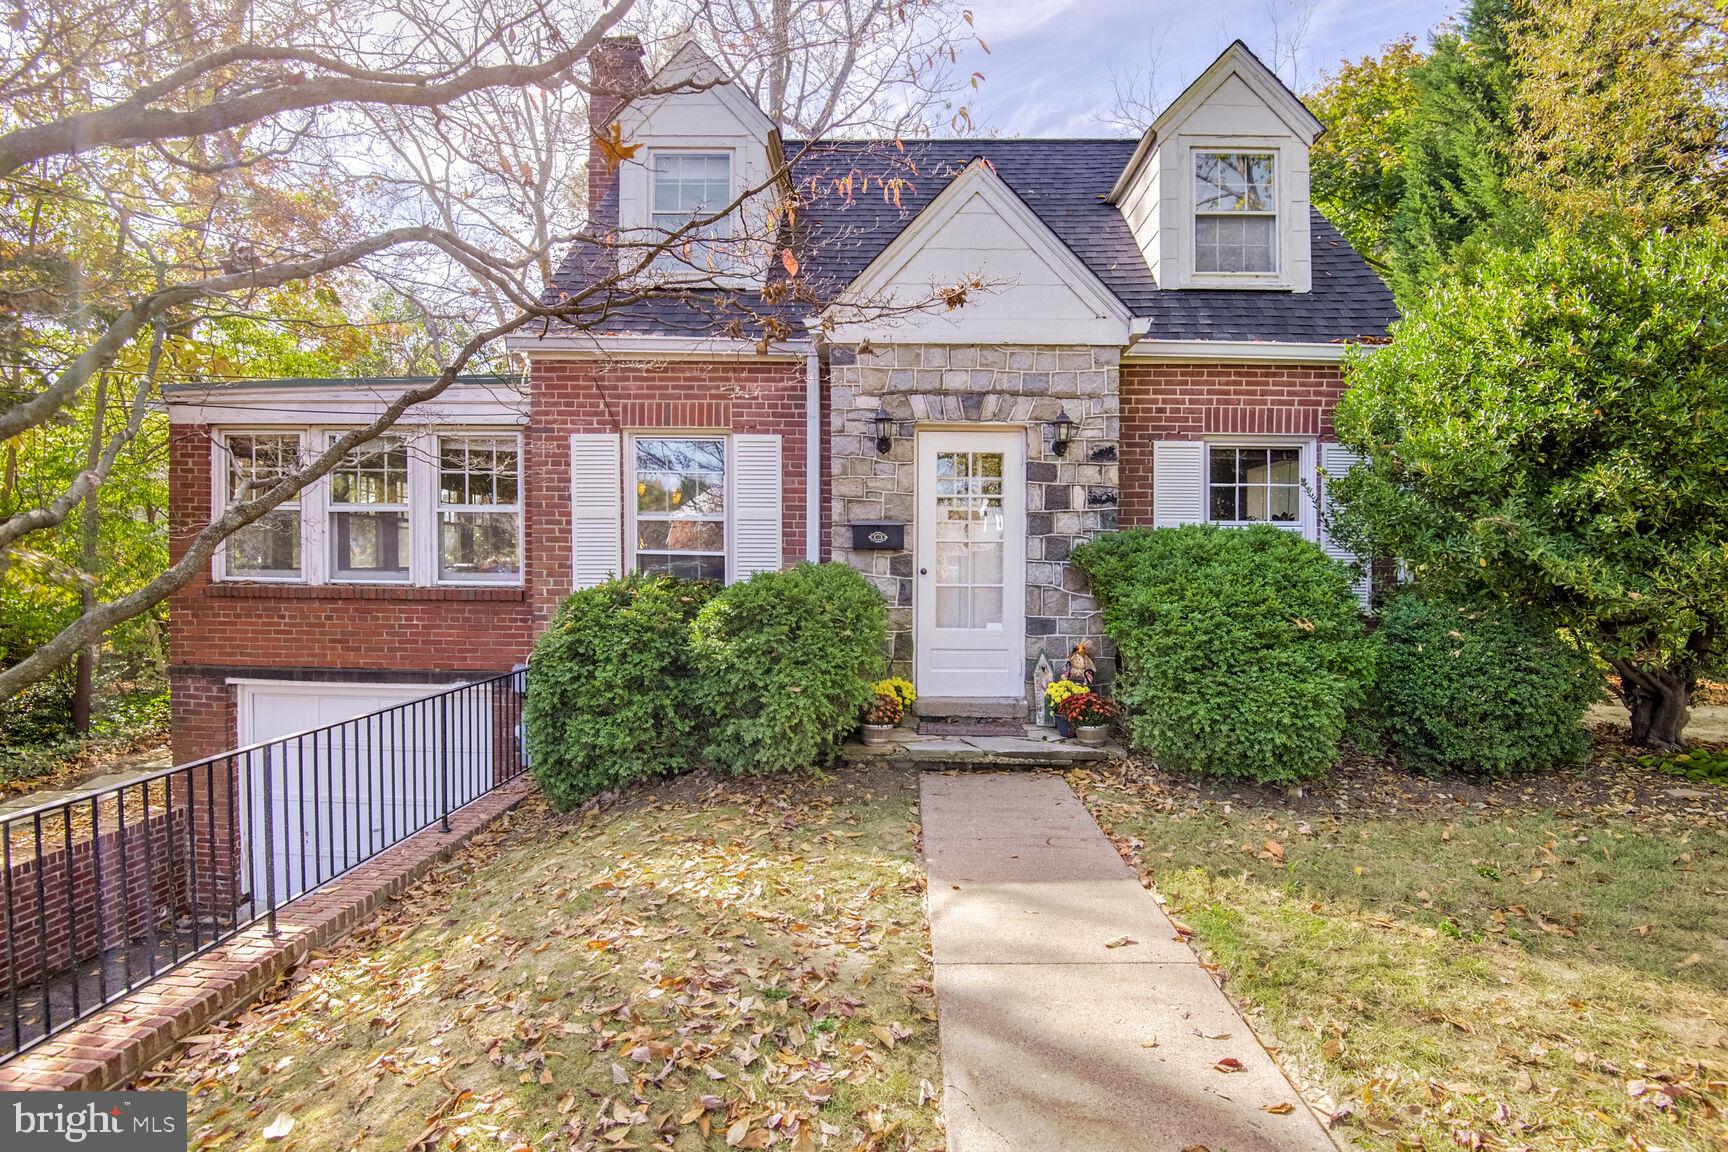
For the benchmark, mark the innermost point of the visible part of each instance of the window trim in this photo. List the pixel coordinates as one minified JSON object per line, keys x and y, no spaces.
{"x":316,"y":559}
{"x":1275,"y":274}
{"x":1306,"y":523}
{"x":435,"y":544}
{"x":220,"y":486}
{"x":728,"y":521}
{"x":722,"y":229}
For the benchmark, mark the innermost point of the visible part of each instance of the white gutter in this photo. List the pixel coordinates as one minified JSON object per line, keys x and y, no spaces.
{"x":813,"y":458}
{"x":1222,"y":350}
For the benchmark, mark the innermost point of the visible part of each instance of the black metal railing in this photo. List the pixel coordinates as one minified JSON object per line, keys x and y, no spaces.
{"x":110,"y":889}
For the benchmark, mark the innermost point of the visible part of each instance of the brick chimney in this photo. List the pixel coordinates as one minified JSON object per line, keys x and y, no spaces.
{"x":615,"y":73}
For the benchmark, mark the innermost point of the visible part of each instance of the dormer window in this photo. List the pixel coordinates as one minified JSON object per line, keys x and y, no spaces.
{"x":682,"y":187}
{"x":1235,"y":213}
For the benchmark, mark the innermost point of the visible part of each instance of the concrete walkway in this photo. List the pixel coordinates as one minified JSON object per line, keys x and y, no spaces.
{"x":1056,"y":1035}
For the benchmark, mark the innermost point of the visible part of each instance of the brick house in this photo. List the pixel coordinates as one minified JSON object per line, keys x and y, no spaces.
{"x":1152,"y":336}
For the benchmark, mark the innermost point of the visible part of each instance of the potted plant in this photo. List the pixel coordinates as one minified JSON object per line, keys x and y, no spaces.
{"x":1090,"y":715}
{"x":1056,"y":693}
{"x":886,"y":709}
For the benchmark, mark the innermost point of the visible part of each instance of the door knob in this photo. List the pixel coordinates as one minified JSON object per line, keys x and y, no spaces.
{"x":923,"y":571}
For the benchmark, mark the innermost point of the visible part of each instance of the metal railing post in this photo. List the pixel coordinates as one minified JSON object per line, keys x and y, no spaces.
{"x":269,"y":844}
{"x":444,"y":761}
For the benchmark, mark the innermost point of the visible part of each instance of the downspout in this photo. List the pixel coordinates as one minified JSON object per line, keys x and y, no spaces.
{"x":813,"y":455}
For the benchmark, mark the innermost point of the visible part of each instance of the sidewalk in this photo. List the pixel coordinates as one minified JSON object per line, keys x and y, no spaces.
{"x":1057,"y":1035}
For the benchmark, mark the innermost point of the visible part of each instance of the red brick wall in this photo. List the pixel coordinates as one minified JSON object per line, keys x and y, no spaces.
{"x":570,"y":396}
{"x":1187,"y":401}
{"x":46,"y":931}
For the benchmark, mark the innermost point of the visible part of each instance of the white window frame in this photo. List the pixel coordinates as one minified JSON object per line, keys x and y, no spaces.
{"x":1275,"y":273}
{"x":1306,"y":522}
{"x":435,"y":462}
{"x":326,"y":487}
{"x":220,"y":486}
{"x":721,"y":229}
{"x":316,"y":561}
{"x":728,"y":518}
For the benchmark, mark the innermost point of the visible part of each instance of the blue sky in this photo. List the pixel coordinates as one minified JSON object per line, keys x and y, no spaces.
{"x":1051,"y":63}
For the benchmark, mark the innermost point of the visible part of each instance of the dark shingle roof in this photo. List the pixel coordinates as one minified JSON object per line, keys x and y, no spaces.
{"x":1064,"y":183}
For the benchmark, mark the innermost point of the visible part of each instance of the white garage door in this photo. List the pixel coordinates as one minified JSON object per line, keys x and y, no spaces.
{"x":353,"y":768}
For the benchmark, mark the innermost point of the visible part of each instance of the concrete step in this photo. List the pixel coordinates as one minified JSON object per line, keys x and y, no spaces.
{"x":1035,"y":748}
{"x":968,"y":707}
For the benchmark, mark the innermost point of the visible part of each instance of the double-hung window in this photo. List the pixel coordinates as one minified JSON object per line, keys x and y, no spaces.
{"x":269,"y":547}
{"x":1254,"y":485}
{"x":680,"y":516}
{"x":1235,"y":212}
{"x":368,"y":511}
{"x":479,"y":509}
{"x":686,"y":186}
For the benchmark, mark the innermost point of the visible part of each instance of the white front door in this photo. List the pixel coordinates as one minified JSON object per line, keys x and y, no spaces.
{"x":971,"y":611}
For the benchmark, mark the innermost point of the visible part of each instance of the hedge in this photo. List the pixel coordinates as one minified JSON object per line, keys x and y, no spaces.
{"x":650,"y":675}
{"x":1488,"y":690}
{"x":1243,"y":649}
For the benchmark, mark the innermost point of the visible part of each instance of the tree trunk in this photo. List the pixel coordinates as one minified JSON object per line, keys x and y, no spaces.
{"x":1657,"y":698}
{"x":84,"y":694}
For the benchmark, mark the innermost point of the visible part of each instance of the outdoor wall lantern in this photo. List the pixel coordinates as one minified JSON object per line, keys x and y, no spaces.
{"x":1061,"y":432}
{"x":884,"y":431}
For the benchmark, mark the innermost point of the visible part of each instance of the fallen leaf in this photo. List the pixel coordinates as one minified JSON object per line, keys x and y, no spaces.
{"x":1120,"y":942}
{"x":1282,"y":1108}
{"x":279,"y":1127}
{"x":1228,"y":1064}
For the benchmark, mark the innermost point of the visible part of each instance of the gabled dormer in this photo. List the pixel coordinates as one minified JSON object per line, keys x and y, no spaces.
{"x":1217,"y":192}
{"x":699,"y":143}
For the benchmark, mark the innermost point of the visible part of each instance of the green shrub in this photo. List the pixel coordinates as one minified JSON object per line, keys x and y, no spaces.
{"x":785,"y":662}
{"x":1486,"y":690}
{"x":1243,"y":648}
{"x":609,"y":687}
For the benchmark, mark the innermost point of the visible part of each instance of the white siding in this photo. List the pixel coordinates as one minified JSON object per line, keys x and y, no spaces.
{"x":1178,"y":483}
{"x":756,"y":520}
{"x":596,"y":508}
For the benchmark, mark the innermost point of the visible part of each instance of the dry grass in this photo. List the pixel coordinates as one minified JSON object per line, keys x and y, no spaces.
{"x":1463,"y":969}
{"x":709,"y":966}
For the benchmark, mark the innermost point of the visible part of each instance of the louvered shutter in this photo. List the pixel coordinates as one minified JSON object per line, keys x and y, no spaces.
{"x":596,"y":508}
{"x":756,"y":526}
{"x":1335,"y":461}
{"x":1178,"y":483}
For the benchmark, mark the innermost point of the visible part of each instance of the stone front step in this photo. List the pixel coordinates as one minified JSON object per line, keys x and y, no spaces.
{"x":967,"y":707}
{"x":1038,"y":748}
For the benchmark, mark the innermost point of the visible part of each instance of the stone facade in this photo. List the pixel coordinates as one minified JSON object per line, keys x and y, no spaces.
{"x":1069,"y":498}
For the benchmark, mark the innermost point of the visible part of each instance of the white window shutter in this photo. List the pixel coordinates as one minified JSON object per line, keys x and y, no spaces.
{"x":756,"y":524}
{"x":1335,"y":461}
{"x":1178,"y":483}
{"x":596,"y":508}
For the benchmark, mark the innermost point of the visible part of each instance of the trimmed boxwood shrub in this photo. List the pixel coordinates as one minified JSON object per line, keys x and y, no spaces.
{"x":1243,"y":649}
{"x":609,"y":697}
{"x":784,"y":665}
{"x":1491,"y":690}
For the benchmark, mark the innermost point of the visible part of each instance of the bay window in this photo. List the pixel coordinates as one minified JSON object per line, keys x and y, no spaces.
{"x":1235,"y":213}
{"x":412,"y":508}
{"x":680,"y":509}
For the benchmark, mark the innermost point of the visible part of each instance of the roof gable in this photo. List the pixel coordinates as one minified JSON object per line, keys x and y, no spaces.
{"x":696,"y":73}
{"x":1236,"y":77}
{"x":977,"y":228}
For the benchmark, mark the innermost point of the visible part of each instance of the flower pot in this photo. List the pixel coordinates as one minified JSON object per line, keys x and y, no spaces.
{"x":1063,"y":728}
{"x":876,"y":735}
{"x":1093,"y":733}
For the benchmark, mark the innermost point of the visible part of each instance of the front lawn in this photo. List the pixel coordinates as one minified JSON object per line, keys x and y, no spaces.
{"x":1541,"y":964}
{"x":708,"y":965}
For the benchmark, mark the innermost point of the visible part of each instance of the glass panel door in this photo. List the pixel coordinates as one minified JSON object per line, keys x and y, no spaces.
{"x":969,"y":559}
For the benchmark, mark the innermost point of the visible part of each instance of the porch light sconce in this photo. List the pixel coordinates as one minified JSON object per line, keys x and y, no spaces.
{"x":884,"y":431}
{"x":1061,"y":432}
